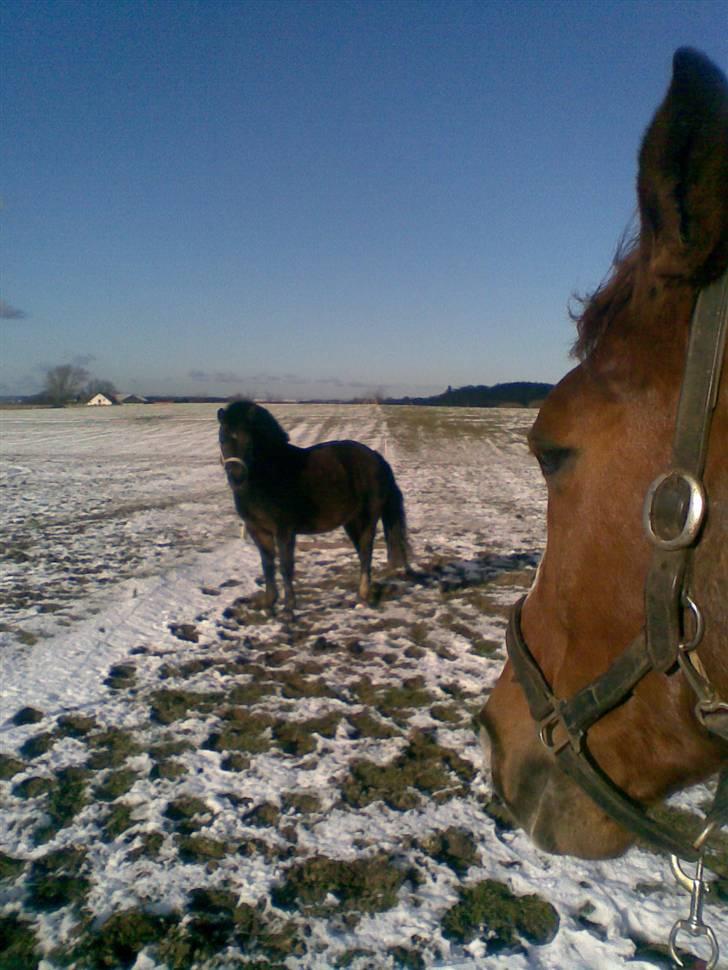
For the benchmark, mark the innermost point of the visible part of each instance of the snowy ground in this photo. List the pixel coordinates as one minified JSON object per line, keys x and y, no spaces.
{"x":186,"y":782}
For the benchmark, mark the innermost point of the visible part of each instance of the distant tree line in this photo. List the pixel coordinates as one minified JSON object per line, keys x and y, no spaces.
{"x":522,"y":394}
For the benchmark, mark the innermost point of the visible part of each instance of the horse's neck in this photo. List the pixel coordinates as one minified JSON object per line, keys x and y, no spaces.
{"x":277,"y":461}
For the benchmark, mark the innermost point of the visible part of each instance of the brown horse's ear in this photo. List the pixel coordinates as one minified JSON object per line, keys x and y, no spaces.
{"x":683,"y":174}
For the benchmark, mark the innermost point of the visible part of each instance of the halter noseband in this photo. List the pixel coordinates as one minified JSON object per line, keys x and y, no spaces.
{"x":674,"y":511}
{"x":232,"y":461}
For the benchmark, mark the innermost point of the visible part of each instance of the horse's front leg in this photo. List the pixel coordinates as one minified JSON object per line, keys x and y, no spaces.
{"x":265,"y":542}
{"x":286,"y":544}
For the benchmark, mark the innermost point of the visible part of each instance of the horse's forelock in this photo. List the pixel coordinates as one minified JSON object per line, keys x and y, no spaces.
{"x":237,"y":414}
{"x":597,"y":310}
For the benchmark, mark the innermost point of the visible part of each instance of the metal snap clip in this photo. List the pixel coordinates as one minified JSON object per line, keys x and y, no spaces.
{"x":694,"y":925}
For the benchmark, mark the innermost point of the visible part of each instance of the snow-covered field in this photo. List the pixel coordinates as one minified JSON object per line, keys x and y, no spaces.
{"x":186,"y":782}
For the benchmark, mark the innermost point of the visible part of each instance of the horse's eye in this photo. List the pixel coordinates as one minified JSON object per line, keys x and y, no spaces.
{"x":552,"y":460}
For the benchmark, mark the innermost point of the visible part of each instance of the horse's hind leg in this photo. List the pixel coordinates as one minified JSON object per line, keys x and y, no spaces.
{"x":286,"y":542}
{"x":363,"y":539}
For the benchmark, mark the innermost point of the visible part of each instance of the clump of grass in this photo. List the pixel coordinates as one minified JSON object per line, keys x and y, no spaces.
{"x":32,"y":787}
{"x":75,"y":725}
{"x":235,"y":761}
{"x":247,"y":694}
{"x":304,"y":802}
{"x":169,"y":770}
{"x":10,"y":867}
{"x":454,"y":847}
{"x":168,"y":706}
{"x":359,"y":885}
{"x":9,"y":767}
{"x":118,"y":821}
{"x":185,"y":808}
{"x":407,"y":958}
{"x":115,"y":785}
{"x":216,"y":921}
{"x":66,"y":799}
{"x":265,"y":815}
{"x":295,"y":685}
{"x":497,"y":811}
{"x":27,"y":715}
{"x":202,"y":849}
{"x":120,"y":940}
{"x":483,"y":647}
{"x":166,"y":765}
{"x":121,"y":676}
{"x":57,"y":879}
{"x":366,"y":725}
{"x":299,"y":737}
{"x":241,"y":730}
{"x":17,"y":944}
{"x":111,"y":748}
{"x":423,"y":767}
{"x":490,"y":910}
{"x":449,"y":713}
{"x":37,"y":745}
{"x":393,"y":700}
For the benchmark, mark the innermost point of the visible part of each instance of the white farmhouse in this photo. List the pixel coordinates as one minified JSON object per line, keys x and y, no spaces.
{"x":99,"y":400}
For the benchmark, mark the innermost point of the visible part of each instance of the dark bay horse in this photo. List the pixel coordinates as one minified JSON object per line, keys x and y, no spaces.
{"x":618,"y":657}
{"x":281,"y":490}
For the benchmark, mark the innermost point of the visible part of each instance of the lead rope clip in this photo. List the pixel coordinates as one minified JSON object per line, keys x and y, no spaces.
{"x":694,"y":926}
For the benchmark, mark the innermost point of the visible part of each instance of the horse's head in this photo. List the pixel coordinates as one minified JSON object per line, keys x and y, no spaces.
{"x":247,"y":431}
{"x":602,"y":437}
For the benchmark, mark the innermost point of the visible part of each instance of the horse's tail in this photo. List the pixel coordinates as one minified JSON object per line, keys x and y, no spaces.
{"x":394,"y":521}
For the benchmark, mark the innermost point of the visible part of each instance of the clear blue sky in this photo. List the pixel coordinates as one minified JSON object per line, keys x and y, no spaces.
{"x":318,"y":198}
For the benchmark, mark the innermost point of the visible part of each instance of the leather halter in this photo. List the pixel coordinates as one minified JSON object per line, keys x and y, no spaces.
{"x":674,"y":511}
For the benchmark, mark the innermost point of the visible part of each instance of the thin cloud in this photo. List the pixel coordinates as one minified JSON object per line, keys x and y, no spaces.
{"x":230,"y":377}
{"x":8,"y":312}
{"x":266,"y":380}
{"x":215,"y":377}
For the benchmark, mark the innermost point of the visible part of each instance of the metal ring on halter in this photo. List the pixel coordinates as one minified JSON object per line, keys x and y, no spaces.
{"x":693,"y":517}
{"x":698,"y":621}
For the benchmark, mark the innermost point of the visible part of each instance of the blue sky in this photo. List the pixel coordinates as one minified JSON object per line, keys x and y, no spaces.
{"x":318,"y":198}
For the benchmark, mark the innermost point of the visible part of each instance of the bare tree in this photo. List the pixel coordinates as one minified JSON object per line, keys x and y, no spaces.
{"x":64,"y":383}
{"x":98,"y":386}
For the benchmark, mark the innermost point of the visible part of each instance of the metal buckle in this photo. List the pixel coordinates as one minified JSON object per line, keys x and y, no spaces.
{"x":693,"y":517}
{"x":546,"y":728}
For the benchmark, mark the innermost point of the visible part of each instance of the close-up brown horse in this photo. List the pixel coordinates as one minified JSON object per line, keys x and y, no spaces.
{"x":615,"y":693}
